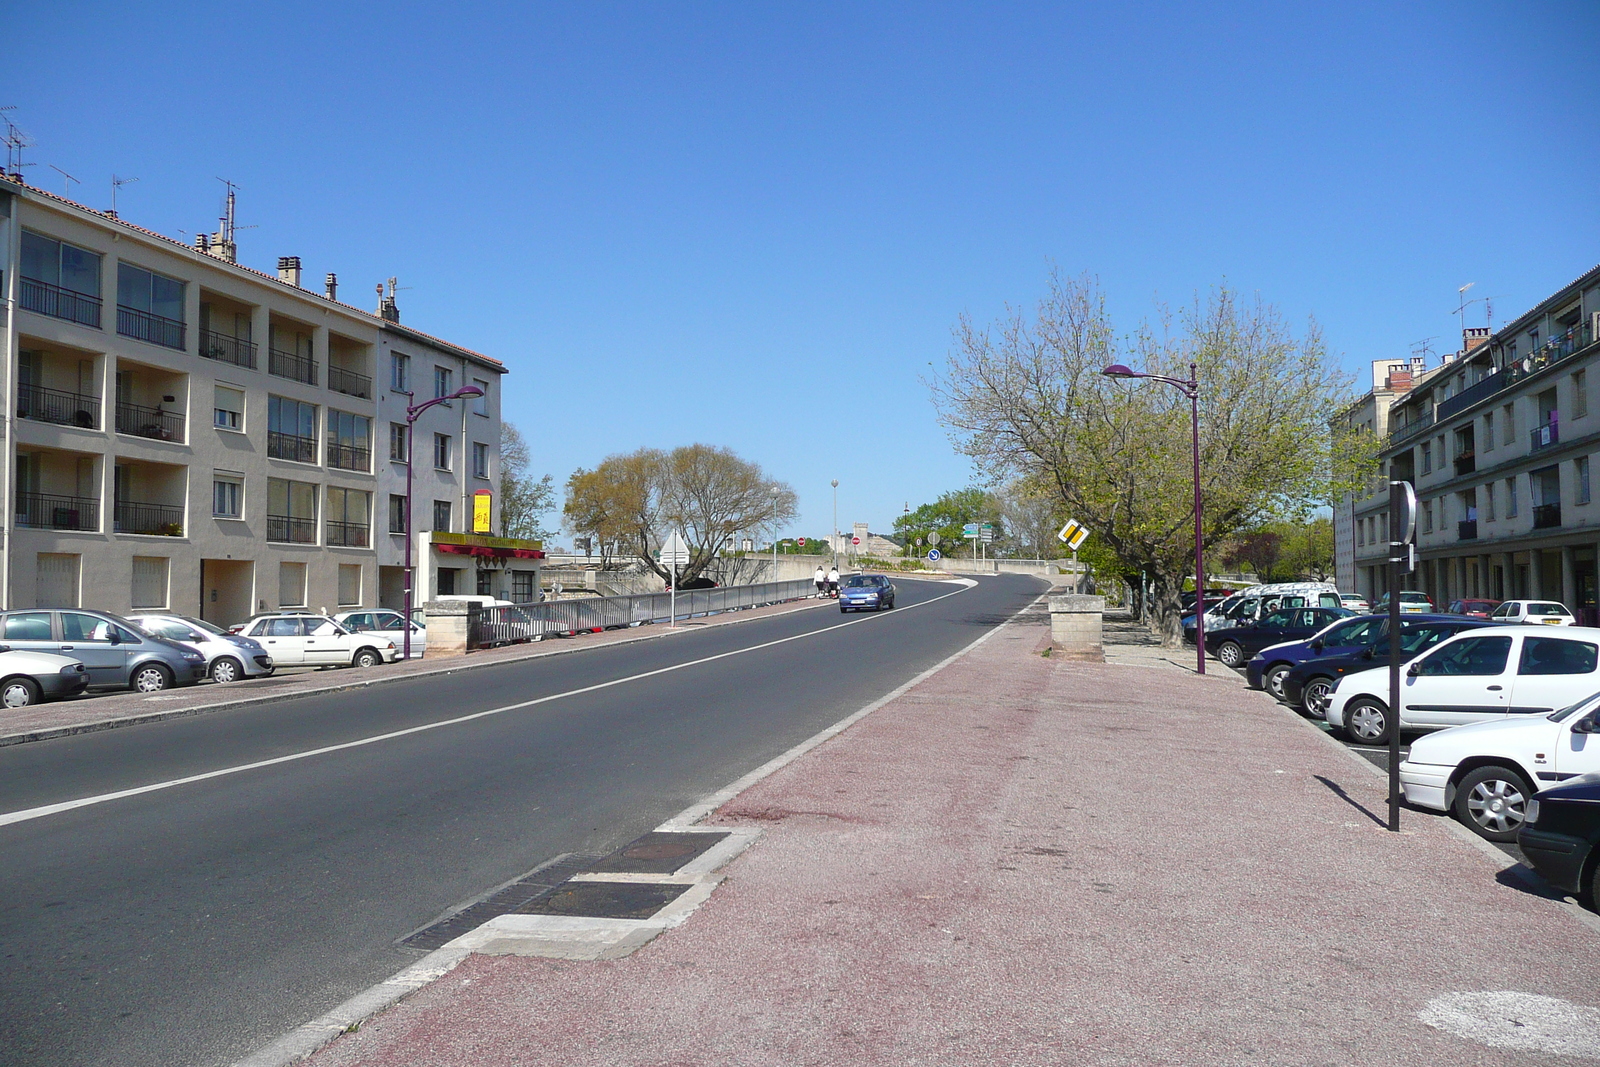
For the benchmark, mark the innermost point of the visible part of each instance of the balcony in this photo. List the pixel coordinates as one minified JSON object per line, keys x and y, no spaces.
{"x":348,"y":534}
{"x":289,"y":365}
{"x":53,"y":405}
{"x":1475,"y":393}
{"x":50,"y":512}
{"x":225,"y":349}
{"x":143,"y":326}
{"x":291,"y":446}
{"x":1466,"y":463}
{"x":155,"y":423}
{"x":135,"y":517}
{"x":1543,"y":436}
{"x":60,"y":303}
{"x":1467,"y":530}
{"x":349,"y":457}
{"x":289,"y":529}
{"x":1546,"y":516}
{"x":349,"y":383}
{"x":1415,"y":426}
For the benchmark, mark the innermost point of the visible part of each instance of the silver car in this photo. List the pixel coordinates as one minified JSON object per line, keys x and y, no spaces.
{"x":29,"y":677}
{"x":229,"y":657}
{"x":113,"y":649}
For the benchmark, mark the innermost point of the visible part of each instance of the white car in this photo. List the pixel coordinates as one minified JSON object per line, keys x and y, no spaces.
{"x":1540,"y":612}
{"x":1479,"y":674}
{"x":1354,"y":602}
{"x":1487,"y":773}
{"x":294,"y":640}
{"x":228,"y":656}
{"x":390,"y":624}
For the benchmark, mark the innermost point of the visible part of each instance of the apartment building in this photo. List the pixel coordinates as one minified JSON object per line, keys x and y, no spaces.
{"x":1369,"y":415}
{"x":190,"y":434}
{"x":1498,"y":443}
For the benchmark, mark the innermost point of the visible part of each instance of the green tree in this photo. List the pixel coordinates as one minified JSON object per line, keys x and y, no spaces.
{"x":524,"y":501}
{"x":947,"y":515}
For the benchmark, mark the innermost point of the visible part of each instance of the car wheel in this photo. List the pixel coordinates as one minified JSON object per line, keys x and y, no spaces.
{"x":1274,"y":679}
{"x":1492,"y":802}
{"x":843,"y":609}
{"x":19,"y":692}
{"x":366,"y":657}
{"x":1366,"y":722}
{"x":151,"y":678}
{"x":226,"y":669}
{"x":1230,"y":653}
{"x":1315,"y":696}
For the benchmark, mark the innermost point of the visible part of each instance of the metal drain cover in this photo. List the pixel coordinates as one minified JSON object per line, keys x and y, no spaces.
{"x":659,"y":852}
{"x":605,"y":900}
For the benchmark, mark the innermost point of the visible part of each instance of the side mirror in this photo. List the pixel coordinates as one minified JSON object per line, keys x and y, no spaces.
{"x":114,"y":637}
{"x":1415,"y":669}
{"x":1317,"y":645}
{"x":1585,"y":725}
{"x":194,"y":637}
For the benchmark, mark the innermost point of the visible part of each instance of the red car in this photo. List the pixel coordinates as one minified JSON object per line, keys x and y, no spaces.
{"x":1476,"y":609}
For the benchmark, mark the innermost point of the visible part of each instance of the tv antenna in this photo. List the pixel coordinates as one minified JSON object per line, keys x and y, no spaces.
{"x":15,"y":141}
{"x":118,"y":183}
{"x":66,"y":182}
{"x":1423,"y":348}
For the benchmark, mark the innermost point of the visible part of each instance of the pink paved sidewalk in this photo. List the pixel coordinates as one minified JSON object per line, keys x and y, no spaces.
{"x":1025,"y":861}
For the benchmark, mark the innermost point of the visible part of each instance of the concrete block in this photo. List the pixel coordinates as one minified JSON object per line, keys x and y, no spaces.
{"x":448,"y":622}
{"x":1075,"y":626}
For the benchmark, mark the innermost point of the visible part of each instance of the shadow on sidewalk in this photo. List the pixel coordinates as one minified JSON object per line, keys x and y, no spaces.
{"x":1338,"y":791}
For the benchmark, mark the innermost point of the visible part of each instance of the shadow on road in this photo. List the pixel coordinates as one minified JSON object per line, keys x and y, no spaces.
{"x":1338,"y":791}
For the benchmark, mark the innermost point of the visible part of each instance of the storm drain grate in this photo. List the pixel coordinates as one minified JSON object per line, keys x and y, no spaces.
{"x":658,"y":852}
{"x":503,"y":901}
{"x":605,"y":900}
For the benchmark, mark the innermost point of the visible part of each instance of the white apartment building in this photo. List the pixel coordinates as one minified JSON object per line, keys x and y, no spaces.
{"x":186,"y":433}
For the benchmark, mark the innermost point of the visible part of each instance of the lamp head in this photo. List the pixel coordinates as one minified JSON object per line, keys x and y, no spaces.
{"x":1117,"y":370}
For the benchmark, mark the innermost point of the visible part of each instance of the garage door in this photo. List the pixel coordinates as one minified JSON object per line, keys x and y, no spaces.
{"x":58,"y":580}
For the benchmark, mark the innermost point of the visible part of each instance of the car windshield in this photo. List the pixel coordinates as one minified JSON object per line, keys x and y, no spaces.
{"x":860,"y":581}
{"x":1546,"y":609}
{"x":1583,"y":705}
{"x":201,"y":625}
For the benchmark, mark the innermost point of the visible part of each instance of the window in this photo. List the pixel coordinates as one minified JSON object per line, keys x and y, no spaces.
{"x":149,"y":306}
{"x":1552,"y":655}
{"x":1427,"y":456}
{"x":1472,"y":656}
{"x":1511,"y":498}
{"x":349,"y":441}
{"x":1488,"y":432}
{"x":399,"y":372}
{"x":228,"y":413}
{"x":486,"y":583}
{"x":60,"y":280}
{"x":1580,"y":471}
{"x":522,"y":586}
{"x":1508,"y":426}
{"x":291,"y":511}
{"x":291,"y":594}
{"x":1580,"y":394}
{"x":291,"y":430}
{"x":397,"y":513}
{"x":349,"y":584}
{"x":28,"y":626}
{"x":441,"y":515}
{"x":227,"y":496}
{"x":399,"y":442}
{"x":1488,"y":502}
{"x":480,"y":405}
{"x":150,"y":581}
{"x":447,"y":581}
{"x":1361,"y":533}
{"x":480,"y":460}
{"x":441,"y":451}
{"x":1427,"y":516}
{"x":441,"y":381}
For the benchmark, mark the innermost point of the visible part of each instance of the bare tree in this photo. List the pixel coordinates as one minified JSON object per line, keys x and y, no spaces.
{"x":523,"y":501}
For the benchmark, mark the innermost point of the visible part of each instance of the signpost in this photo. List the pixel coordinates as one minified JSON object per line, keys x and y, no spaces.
{"x":1073,"y":534}
{"x":674,"y":554}
{"x":855,"y":540}
{"x":1402,"y":560}
{"x":933,"y":537}
{"x":934,"y":556}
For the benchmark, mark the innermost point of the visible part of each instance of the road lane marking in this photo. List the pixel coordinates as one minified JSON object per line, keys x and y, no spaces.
{"x":28,"y":814}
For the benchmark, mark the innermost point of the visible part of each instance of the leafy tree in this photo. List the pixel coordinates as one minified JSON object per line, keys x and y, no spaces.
{"x":523,"y":501}
{"x":948,"y":515}
{"x":1260,"y":550}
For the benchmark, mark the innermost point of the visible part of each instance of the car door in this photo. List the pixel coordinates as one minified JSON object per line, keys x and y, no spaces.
{"x":1268,"y":631}
{"x":1465,"y":680}
{"x":391,"y":625}
{"x":89,"y":641}
{"x":326,"y":643}
{"x":283,"y":639}
{"x":31,"y":630}
{"x":1553,"y":672}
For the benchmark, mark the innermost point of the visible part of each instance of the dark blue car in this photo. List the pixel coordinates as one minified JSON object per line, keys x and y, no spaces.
{"x":1345,"y":637}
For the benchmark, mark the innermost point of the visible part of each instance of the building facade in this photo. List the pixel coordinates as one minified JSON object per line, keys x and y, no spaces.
{"x":1369,"y":415}
{"x":185,"y":433}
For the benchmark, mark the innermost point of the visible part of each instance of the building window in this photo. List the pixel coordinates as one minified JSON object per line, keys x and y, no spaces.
{"x":347,"y":518}
{"x":150,"y":581}
{"x":227,"y":496}
{"x":1580,"y":469}
{"x":441,"y":451}
{"x":1488,"y":502}
{"x":149,"y":306}
{"x":1427,"y":456}
{"x":349,"y":441}
{"x":291,"y":511}
{"x":447,"y":581}
{"x":399,"y":442}
{"x":480,"y":404}
{"x":522,"y":586}
{"x":228,"y":414}
{"x":1580,"y":394}
{"x":1427,"y":516}
{"x":1361,"y":532}
{"x":1488,"y":431}
{"x":480,"y":460}
{"x":1508,"y":427}
{"x":399,"y":372}
{"x":441,"y":516}
{"x":1511,"y":498}
{"x":441,"y":381}
{"x":349,"y":585}
{"x":291,"y":585}
{"x":291,"y":430}
{"x":397,"y":513}
{"x":60,"y":280}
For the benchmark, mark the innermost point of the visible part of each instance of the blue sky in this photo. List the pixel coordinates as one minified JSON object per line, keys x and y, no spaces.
{"x":754,"y":226}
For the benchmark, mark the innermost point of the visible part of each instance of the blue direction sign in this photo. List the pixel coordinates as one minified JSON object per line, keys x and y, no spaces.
{"x":934,"y":555}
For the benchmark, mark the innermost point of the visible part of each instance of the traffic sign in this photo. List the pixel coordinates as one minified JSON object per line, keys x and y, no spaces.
{"x":986,"y":533}
{"x":933,"y":537}
{"x":933,"y":555}
{"x":801,"y":542}
{"x":969,"y":530}
{"x":855,"y":540}
{"x":675,"y":551}
{"x":1073,"y":534}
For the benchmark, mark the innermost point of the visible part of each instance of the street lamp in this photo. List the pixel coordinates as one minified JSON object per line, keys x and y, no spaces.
{"x":412,"y":412}
{"x":1190,"y":389}
{"x":833,"y":542}
{"x":774,"y":533}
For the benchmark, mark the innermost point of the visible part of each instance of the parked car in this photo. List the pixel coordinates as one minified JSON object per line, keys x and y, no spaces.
{"x":1213,"y":598}
{"x":1477,"y":609}
{"x":31,"y":677}
{"x":1308,"y":684}
{"x":861,"y":591}
{"x":1235,"y":647}
{"x":1561,"y":835}
{"x":1354,"y":602}
{"x":112,"y":648}
{"x":229,"y":657}
{"x":306,"y":640}
{"x":1339,"y":638}
{"x":390,"y":624}
{"x":1411,"y":603}
{"x":1488,"y":673}
{"x":1486,"y":773}
{"x":1545,"y":612}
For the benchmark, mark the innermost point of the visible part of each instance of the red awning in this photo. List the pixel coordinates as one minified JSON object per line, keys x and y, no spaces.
{"x":483,"y":552}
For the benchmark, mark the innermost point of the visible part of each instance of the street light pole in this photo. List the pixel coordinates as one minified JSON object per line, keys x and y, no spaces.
{"x":774,"y":533}
{"x":413,"y":411}
{"x":1190,"y":389}
{"x":833,"y":542}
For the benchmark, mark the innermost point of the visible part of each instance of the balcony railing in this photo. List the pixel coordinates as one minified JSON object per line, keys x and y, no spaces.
{"x":58,"y":512}
{"x":155,"y":423}
{"x":1482,"y":389}
{"x":290,"y":365}
{"x":137,"y":517}
{"x":1412,"y":428}
{"x":1467,"y":529}
{"x":349,"y":457}
{"x":225,"y":349}
{"x":291,"y":446}
{"x":1466,"y":463}
{"x":348,"y":534}
{"x":349,"y":382}
{"x":143,"y":326}
{"x":1543,"y":436}
{"x":294,"y":531}
{"x":1546,"y":516}
{"x":60,"y":303}
{"x":52,"y":405}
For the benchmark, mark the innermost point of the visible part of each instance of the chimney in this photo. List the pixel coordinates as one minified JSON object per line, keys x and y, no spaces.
{"x":331,"y":285}
{"x":289,"y":270}
{"x":1472,"y":337}
{"x":202,"y":243}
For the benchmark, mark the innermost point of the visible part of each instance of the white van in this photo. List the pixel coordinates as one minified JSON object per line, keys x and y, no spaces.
{"x":1260,"y":600}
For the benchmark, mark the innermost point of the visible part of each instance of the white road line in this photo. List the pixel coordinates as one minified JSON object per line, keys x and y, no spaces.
{"x":28,"y":814}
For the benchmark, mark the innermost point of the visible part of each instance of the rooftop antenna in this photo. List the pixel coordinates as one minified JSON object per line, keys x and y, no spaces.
{"x":66,"y":182}
{"x":223,"y":244}
{"x":117,"y":183}
{"x":15,"y":141}
{"x":1423,"y":348}
{"x":1461,"y":310}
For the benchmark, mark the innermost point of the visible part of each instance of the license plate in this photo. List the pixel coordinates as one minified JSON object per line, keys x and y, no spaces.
{"x":1551,"y":622}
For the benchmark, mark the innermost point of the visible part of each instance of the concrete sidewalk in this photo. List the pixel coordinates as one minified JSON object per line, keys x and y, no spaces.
{"x":1028,"y":861}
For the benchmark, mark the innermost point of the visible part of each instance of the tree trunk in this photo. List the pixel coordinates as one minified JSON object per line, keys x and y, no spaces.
{"x":1166,"y":606}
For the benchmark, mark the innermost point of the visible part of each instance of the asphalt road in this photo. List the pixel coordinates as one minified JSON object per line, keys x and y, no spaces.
{"x":191,"y":924}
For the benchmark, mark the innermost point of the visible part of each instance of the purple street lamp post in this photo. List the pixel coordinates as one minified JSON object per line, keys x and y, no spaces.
{"x":1190,"y":389}
{"x":412,"y":412}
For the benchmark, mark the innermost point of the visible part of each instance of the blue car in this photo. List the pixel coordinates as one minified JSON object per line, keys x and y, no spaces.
{"x":1266,"y":670}
{"x":863,"y":591}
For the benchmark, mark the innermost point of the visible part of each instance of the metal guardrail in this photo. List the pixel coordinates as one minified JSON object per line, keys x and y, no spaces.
{"x":488,"y":627}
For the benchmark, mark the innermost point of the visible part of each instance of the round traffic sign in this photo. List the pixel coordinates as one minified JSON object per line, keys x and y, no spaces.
{"x":933,"y":537}
{"x":855,"y":540}
{"x":933,"y":555}
{"x":801,"y":542}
